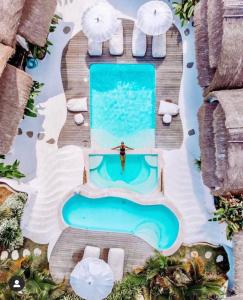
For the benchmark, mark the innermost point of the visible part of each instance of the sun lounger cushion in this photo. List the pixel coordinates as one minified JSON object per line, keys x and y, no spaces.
{"x":94,"y":48}
{"x":159,"y":46}
{"x":116,"y":42}
{"x":91,"y":251}
{"x":167,"y":119}
{"x":168,"y":108}
{"x":77,"y":104}
{"x":78,"y":119}
{"x":116,"y":258}
{"x":139,"y":42}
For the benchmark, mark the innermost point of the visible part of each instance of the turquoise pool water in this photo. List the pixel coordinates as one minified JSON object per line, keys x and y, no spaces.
{"x":156,"y":224}
{"x":140,"y":173}
{"x":122,"y":105}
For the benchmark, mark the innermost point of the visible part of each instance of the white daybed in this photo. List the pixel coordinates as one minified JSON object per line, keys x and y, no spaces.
{"x":91,"y":251}
{"x":116,"y":258}
{"x":94,"y":48}
{"x":116,"y":42}
{"x":159,"y":46}
{"x":139,"y":42}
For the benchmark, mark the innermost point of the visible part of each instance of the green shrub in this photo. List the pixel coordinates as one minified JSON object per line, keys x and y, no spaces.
{"x":11,"y":171}
{"x":185,"y":10}
{"x":10,"y":214}
{"x":30,"y":109}
{"x":13,"y":206}
{"x":10,"y":234}
{"x":229,"y":210}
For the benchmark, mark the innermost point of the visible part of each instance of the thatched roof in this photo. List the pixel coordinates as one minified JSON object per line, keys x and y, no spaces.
{"x":221,"y":140}
{"x":36,"y":20}
{"x":219,"y":44}
{"x":205,"y":73}
{"x":215,"y":30}
{"x":10,"y":14}
{"x":5,"y":53}
{"x":15,"y":87}
{"x":238,"y":269}
{"x":229,"y":73}
{"x":232,"y":103}
{"x":206,"y":140}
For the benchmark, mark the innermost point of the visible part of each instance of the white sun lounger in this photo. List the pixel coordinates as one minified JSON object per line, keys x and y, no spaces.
{"x":139,"y":42}
{"x":116,"y":262}
{"x":116,"y":42}
{"x":91,"y":251}
{"x":94,"y":48}
{"x":159,"y":46}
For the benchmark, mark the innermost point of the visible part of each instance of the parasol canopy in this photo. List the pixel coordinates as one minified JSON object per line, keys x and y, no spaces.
{"x":154,"y":18}
{"x":92,"y":279}
{"x":99,"y":22}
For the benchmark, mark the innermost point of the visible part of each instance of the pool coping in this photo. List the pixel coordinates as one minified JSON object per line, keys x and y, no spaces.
{"x":158,"y":198}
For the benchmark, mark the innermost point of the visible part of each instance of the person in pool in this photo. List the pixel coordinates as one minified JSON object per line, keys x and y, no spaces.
{"x":123,"y":149}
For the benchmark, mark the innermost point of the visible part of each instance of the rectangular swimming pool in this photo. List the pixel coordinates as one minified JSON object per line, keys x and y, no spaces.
{"x":140,"y":174}
{"x":122,"y":105}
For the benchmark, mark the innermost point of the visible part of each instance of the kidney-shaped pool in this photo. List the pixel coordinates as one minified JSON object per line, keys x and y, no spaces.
{"x":156,"y":224}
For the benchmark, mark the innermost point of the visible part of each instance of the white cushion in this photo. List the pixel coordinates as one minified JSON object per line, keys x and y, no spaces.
{"x":116,"y":258}
{"x":159,"y":46}
{"x":79,"y":119}
{"x":139,"y":42}
{"x":94,"y":48}
{"x":4,"y":255}
{"x":168,"y":108}
{"x":116,"y":42}
{"x":91,"y":251}
{"x":77,"y":104}
{"x":167,"y":119}
{"x":26,"y":252}
{"x":15,"y":255}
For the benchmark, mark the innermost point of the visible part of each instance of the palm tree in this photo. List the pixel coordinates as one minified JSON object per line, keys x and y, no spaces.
{"x":202,"y":285}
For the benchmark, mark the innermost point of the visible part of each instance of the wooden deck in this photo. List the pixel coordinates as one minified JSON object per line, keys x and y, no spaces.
{"x":70,"y":246}
{"x":75,"y":70}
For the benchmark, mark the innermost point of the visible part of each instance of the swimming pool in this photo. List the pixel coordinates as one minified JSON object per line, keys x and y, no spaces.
{"x":140,"y":173}
{"x":156,"y":224}
{"x":122,"y":105}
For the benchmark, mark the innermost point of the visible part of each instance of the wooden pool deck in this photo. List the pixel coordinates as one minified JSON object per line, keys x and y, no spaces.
{"x":70,"y":246}
{"x":75,"y":77}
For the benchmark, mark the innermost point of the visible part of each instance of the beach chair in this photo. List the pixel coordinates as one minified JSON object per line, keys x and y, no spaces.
{"x":159,"y":46}
{"x":94,"y":48}
{"x":91,"y":251}
{"x":115,"y":260}
{"x":139,"y":42}
{"x":116,"y":42}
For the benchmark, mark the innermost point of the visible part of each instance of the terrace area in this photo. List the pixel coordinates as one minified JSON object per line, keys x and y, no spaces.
{"x":70,"y":246}
{"x":75,"y":77}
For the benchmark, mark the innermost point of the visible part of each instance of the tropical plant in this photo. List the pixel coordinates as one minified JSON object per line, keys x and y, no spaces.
{"x":38,"y":283}
{"x":40,"y":52}
{"x":10,"y":214}
{"x":129,"y":288}
{"x":201,"y":285}
{"x":11,"y":171}
{"x":30,"y":109}
{"x":10,"y":234}
{"x":185,"y":10}
{"x":229,"y":210}
{"x":69,"y":296}
{"x":166,"y":278}
{"x":13,"y":206}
